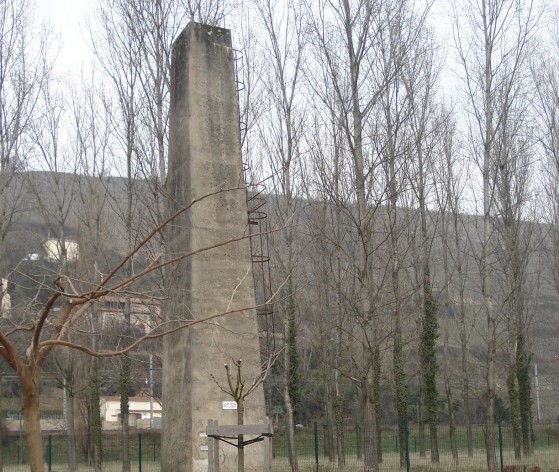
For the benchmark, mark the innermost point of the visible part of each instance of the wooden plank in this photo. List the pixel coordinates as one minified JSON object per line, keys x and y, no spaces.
{"x":213,"y":450}
{"x":236,"y":429}
{"x":268,"y":454}
{"x":211,"y":445}
{"x":216,"y":454}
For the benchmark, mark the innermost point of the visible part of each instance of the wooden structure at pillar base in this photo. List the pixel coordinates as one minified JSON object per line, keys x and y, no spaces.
{"x":229,"y":433}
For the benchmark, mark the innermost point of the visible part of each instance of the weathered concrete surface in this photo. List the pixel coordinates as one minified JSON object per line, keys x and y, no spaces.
{"x":204,"y":155}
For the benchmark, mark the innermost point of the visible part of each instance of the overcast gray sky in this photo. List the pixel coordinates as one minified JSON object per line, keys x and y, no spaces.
{"x":68,"y":19}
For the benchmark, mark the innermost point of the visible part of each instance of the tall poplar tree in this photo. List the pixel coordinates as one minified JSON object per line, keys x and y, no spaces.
{"x":493,"y":52}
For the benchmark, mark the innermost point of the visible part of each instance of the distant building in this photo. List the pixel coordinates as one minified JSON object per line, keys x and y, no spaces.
{"x":139,"y":416}
{"x":53,"y":249}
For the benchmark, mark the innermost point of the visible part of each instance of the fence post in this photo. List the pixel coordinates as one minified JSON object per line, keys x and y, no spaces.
{"x":500,"y":423}
{"x":139,"y":452}
{"x":49,"y":453}
{"x":316,"y":444}
{"x":407,"y":436}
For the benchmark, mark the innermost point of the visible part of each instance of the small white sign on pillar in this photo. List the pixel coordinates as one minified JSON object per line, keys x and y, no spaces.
{"x":229,"y":405}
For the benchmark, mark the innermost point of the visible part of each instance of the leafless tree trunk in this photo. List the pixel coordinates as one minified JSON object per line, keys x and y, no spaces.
{"x":546,"y":78}
{"x":515,"y":245}
{"x":421,"y":75}
{"x":492,"y":53}
{"x":70,"y":421}
{"x":92,"y":119}
{"x":340,"y":320}
{"x":120,"y":58}
{"x":239,"y":390}
{"x":285,"y":43}
{"x":54,"y":149}
{"x":395,"y":177}
{"x":329,"y":233}
{"x":453,"y":232}
{"x":350,"y":108}
{"x":94,"y":398}
{"x":445,"y":237}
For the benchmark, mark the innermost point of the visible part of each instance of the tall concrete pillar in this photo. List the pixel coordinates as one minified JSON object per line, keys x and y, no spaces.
{"x":205,"y":156}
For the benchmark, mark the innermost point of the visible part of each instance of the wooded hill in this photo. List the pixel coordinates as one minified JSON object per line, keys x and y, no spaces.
{"x":323,"y":291}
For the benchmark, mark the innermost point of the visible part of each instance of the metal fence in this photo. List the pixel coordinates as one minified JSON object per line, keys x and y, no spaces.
{"x":313,"y":454}
{"x":312,"y":451}
{"x":145,"y":448}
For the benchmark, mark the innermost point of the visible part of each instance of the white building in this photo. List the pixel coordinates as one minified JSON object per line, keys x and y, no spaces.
{"x":54,"y":250}
{"x":140,"y":412}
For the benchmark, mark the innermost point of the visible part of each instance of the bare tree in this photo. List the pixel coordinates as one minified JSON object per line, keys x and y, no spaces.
{"x":344,"y":38}
{"x":281,"y":135}
{"x":24,"y":70}
{"x":492,"y":53}
{"x":452,"y":233}
{"x":421,"y":78}
{"x":92,"y":118}
{"x":55,"y":153}
{"x":546,"y":79}
{"x":66,"y":368}
{"x":514,"y":227}
{"x":331,"y":256}
{"x":405,"y":112}
{"x":238,"y":389}
{"x":119,"y":56}
{"x":210,"y":12}
{"x":153,"y":25}
{"x":59,"y":316}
